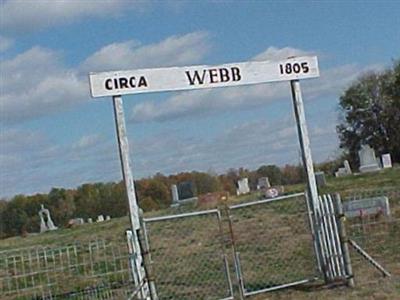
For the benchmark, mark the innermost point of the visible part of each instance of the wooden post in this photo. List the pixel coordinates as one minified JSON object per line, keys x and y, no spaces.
{"x":137,"y":265}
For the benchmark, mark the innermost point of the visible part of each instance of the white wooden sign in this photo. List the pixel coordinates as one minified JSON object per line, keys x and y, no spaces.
{"x":200,"y":77}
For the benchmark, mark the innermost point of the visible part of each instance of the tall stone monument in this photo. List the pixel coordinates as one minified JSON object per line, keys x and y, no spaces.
{"x":46,"y":223}
{"x":368,"y":162}
{"x":174,"y":192}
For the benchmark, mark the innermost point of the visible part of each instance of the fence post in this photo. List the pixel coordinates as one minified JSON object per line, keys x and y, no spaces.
{"x":145,"y":250}
{"x":236,"y":260}
{"x":344,"y":240}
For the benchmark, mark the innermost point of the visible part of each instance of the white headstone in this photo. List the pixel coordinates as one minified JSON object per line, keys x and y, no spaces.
{"x":174,"y":191}
{"x":242,"y":186}
{"x":108,"y":218}
{"x":100,"y":218}
{"x":386,"y":161}
{"x":341,"y":172}
{"x":90,"y":220}
{"x":367,"y":158}
{"x":263,"y":183}
{"x":347,"y":167}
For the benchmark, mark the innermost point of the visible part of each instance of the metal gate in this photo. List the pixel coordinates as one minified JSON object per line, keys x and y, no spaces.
{"x":273,"y":244}
{"x":187,"y":256}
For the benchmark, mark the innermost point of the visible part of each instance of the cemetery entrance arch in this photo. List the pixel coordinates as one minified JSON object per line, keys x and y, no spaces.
{"x":120,"y":83}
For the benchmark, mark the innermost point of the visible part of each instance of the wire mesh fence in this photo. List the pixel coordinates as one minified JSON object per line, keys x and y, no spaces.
{"x":242,"y":249}
{"x":187,"y":256}
{"x":274,"y":244}
{"x":378,"y":234}
{"x":95,"y":269}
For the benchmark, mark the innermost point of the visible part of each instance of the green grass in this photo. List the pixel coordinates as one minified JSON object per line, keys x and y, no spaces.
{"x":196,"y":234}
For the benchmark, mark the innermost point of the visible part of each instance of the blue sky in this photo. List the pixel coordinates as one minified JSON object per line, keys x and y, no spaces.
{"x":52,"y":134}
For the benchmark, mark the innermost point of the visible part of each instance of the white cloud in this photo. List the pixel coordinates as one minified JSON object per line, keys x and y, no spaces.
{"x":5,"y":43}
{"x":26,"y":16}
{"x":36,"y":83}
{"x":185,"y":104}
{"x":249,"y":144}
{"x":87,"y":141}
{"x":16,"y":140}
{"x":31,"y":162}
{"x":273,"y":53}
{"x":173,"y":51}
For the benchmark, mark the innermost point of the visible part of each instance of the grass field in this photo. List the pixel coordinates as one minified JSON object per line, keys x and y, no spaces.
{"x":380,"y":237}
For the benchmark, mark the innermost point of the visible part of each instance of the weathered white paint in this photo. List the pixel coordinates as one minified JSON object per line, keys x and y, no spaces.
{"x":184,"y":78}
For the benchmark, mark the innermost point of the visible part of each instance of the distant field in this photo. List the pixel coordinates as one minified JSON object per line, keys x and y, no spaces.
{"x":370,"y":285}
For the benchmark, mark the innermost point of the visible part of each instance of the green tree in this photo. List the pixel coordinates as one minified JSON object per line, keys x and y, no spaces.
{"x":370,"y":114}
{"x":205,"y":183}
{"x":155,"y":191}
{"x":293,"y":174}
{"x":272,"y":172}
{"x":3,"y":207}
{"x":14,"y":218}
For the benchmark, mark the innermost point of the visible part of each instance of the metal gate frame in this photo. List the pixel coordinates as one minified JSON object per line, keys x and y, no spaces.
{"x":185,"y":215}
{"x":238,"y":267}
{"x":330,"y":240}
{"x":326,"y":228}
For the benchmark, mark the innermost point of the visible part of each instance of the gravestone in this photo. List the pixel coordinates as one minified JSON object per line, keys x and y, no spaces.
{"x":367,"y":158}
{"x":108,"y":218}
{"x":174,"y":192}
{"x":271,"y":193}
{"x":341,"y":172}
{"x":365,"y":207}
{"x":186,"y":190}
{"x":76,"y":221}
{"x":263,"y":183}
{"x":100,"y":218}
{"x":386,"y":161}
{"x":242,"y":186}
{"x":345,"y":171}
{"x":90,"y":220}
{"x":46,"y":223}
{"x":320,"y":179}
{"x":183,"y":192}
{"x":346,"y":165}
{"x":79,"y":221}
{"x":274,"y":191}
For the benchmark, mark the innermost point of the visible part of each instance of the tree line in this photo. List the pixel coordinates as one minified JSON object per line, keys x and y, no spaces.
{"x":19,"y":215}
{"x":369,"y":112}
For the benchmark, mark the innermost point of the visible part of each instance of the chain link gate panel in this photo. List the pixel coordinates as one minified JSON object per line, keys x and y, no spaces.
{"x":186,"y":255}
{"x":273,"y":243}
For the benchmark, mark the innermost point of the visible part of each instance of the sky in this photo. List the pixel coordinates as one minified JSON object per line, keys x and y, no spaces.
{"x":53,"y":134}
